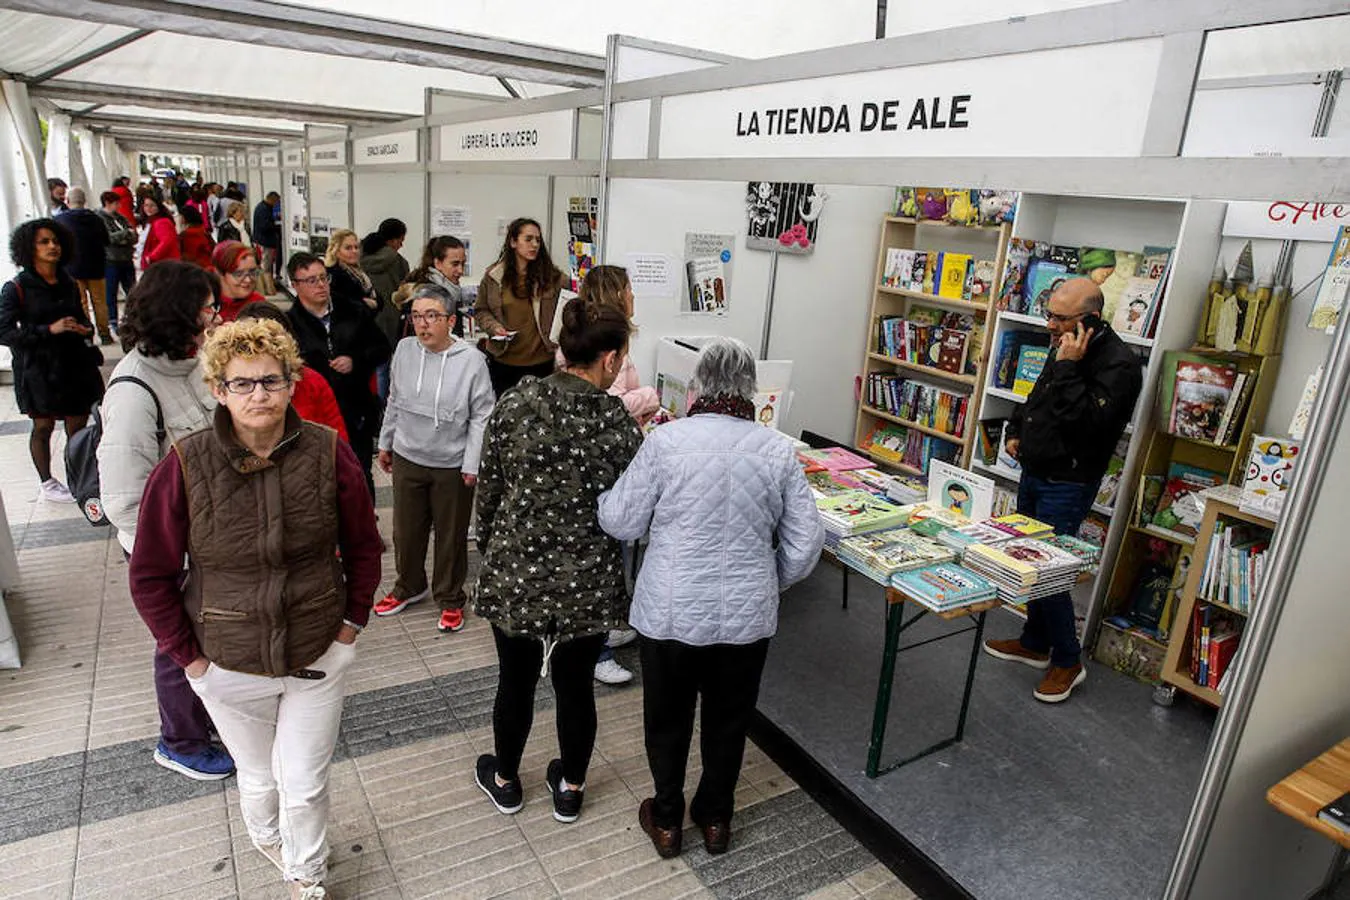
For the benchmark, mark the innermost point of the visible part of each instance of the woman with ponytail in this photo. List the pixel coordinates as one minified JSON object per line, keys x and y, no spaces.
{"x":609,"y":286}
{"x":517,"y":299}
{"x":442,"y":264}
{"x":551,"y":583}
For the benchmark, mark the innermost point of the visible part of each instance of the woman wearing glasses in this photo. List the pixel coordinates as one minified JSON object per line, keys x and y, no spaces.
{"x":283,"y":557}
{"x":440,"y":397}
{"x":167,"y":316}
{"x":238,"y":269}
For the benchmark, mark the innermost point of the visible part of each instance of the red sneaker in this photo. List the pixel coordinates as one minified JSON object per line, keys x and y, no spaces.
{"x":451,"y":620}
{"x":391,"y":604}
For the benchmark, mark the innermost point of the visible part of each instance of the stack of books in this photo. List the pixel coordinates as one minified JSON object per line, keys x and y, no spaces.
{"x":1024,"y":568}
{"x":943,"y":588}
{"x":1090,"y":554}
{"x":958,"y":539}
{"x":881,"y":554}
{"x":832,"y":459}
{"x":857,"y":512}
{"x":932,"y":521}
{"x":1016,"y":525}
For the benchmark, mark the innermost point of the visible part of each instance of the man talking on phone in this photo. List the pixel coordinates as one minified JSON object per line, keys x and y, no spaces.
{"x":1064,"y":436}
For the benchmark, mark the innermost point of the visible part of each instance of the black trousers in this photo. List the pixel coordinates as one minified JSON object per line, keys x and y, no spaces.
{"x":674,"y":675}
{"x":505,"y":377}
{"x":572,"y":671}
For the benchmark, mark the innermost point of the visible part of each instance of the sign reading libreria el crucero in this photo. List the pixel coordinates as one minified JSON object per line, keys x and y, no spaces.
{"x":546,"y":135}
{"x":982,"y":107}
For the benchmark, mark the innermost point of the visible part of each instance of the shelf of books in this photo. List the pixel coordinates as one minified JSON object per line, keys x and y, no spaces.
{"x":1153,"y":260}
{"x":938,"y":265}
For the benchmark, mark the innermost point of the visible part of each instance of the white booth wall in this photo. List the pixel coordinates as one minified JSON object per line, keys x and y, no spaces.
{"x":328,"y":195}
{"x":269,"y":181}
{"x":492,"y":201}
{"x":390,"y":195}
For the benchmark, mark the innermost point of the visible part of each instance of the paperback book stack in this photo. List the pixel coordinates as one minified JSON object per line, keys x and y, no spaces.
{"x":1089,"y":554}
{"x":918,"y":401}
{"x":881,"y":554}
{"x":1235,"y":564}
{"x":1019,"y":526}
{"x":958,"y":539}
{"x":857,"y":512}
{"x":1024,"y":568}
{"x":944,"y":588}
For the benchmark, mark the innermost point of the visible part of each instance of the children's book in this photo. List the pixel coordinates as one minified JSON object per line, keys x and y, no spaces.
{"x":1030,"y":363}
{"x":856,"y":512}
{"x":1043,"y":276}
{"x":1012,"y":288}
{"x":835,"y":459}
{"x":956,"y":490}
{"x":1270,"y":471}
{"x":892,"y":550}
{"x":955,"y":271}
{"x":951,"y":350}
{"x":944,"y":587}
{"x":1019,"y":525}
{"x":1200,"y":390}
{"x":1133,"y":308}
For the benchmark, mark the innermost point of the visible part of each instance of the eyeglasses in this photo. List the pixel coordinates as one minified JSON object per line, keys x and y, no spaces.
{"x":244,"y":274}
{"x":1062,"y":320}
{"x":315,"y":281}
{"x":245,"y":386}
{"x":430,"y":318}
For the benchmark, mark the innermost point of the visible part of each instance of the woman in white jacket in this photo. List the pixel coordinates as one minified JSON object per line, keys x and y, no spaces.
{"x":167,"y":316}
{"x":716,"y":491}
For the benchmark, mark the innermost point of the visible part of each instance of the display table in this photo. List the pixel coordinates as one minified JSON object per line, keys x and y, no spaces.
{"x":896,"y":623}
{"x":1303,"y":794}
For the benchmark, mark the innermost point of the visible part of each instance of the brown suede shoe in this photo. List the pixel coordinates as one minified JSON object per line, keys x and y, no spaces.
{"x":667,"y":841}
{"x":1013,"y":650}
{"x":1059,"y":682}
{"x":716,"y":837}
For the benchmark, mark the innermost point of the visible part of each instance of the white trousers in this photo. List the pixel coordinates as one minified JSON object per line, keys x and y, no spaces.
{"x":281,"y":733}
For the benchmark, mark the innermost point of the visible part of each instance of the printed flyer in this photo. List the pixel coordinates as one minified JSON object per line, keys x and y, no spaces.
{"x":707,"y":273}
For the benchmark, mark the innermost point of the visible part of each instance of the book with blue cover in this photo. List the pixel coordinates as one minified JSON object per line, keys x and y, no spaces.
{"x":944,"y":587}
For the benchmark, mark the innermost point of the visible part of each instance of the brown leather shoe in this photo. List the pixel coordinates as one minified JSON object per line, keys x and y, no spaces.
{"x":1014,"y":651}
{"x":1059,"y":682}
{"x":716,"y":837}
{"x":667,"y":841}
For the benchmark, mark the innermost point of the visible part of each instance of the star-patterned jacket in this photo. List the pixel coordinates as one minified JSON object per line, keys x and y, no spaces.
{"x":552,"y":446}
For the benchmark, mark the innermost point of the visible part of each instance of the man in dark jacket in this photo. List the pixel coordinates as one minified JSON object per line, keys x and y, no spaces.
{"x":340,"y":341}
{"x":267,"y":235}
{"x":1064,"y":436}
{"x":120,"y":270}
{"x":91,"y":256}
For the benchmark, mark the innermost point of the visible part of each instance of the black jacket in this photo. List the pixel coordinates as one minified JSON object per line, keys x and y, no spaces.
{"x":265,"y":231}
{"x":91,"y":243}
{"x":353,"y":333}
{"x":54,"y":374}
{"x":1075,"y":414}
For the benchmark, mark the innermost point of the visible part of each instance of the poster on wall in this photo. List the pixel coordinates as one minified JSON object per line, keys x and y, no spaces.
{"x":297,"y":209}
{"x":1331,"y":293}
{"x":707,"y":273}
{"x":652,"y":275}
{"x":581,"y":228}
{"x":783,"y":217}
{"x":955,"y":489}
{"x":320,"y":230}
{"x":455,"y":221}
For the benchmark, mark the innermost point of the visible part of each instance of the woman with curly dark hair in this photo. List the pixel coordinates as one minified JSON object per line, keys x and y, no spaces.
{"x":43,"y":321}
{"x":155,"y":398}
{"x":517,"y":302}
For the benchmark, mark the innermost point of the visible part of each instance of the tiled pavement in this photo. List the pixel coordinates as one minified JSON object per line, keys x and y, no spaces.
{"x":85,"y":813}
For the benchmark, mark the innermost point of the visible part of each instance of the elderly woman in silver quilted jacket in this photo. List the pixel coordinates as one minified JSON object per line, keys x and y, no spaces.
{"x":714,"y":490}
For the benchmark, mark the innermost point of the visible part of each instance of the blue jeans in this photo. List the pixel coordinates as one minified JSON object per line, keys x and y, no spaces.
{"x":115,"y":275}
{"x":1050,"y":620}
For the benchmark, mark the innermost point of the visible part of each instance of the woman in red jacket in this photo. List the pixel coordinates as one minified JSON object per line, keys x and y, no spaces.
{"x":194,"y":240}
{"x":125,"y":205}
{"x":313,"y":398}
{"x":162,"y":240}
{"x":238,"y":269}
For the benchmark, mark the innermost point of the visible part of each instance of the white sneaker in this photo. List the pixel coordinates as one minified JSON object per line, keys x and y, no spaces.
{"x":305,"y":891}
{"x":608,"y":671}
{"x":621,"y":637}
{"x":54,"y":491}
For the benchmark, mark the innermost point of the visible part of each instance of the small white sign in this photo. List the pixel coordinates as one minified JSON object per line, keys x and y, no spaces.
{"x":546,"y":135}
{"x":328,"y":155}
{"x":271,"y":159}
{"x":385,"y":149}
{"x":293,"y":159}
{"x":653,"y":275}
{"x":1285,"y":220}
{"x":254,"y":160}
{"x":455,"y":220}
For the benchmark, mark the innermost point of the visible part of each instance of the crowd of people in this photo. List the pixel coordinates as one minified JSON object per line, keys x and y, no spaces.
{"x":235,"y":463}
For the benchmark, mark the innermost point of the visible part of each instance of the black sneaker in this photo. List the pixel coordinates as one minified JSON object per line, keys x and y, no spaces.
{"x":507,"y":798}
{"x":566,"y":803}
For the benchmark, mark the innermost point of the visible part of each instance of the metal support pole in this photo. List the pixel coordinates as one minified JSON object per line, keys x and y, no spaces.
{"x":606,"y":144}
{"x":768,"y":307}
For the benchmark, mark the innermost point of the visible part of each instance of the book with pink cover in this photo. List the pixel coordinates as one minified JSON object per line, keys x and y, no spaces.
{"x":835,"y":459}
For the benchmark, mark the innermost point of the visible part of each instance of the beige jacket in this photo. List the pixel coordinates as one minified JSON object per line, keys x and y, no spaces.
{"x":488,"y":308}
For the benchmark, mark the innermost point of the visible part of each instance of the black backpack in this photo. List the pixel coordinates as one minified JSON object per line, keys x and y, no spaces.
{"x":82,"y":456}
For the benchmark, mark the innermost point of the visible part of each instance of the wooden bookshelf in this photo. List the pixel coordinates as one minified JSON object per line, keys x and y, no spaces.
{"x":1176,"y":668}
{"x":989,"y":242}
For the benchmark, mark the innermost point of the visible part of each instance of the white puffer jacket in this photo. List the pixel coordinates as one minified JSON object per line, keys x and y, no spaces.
{"x":714,"y":491}
{"x":128,"y":450}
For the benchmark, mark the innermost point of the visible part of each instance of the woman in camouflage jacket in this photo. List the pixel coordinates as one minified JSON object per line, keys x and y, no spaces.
{"x":551,"y":581}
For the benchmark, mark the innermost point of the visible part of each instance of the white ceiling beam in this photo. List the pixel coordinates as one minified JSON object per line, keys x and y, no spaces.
{"x":267,"y":23}
{"x":77,"y":61}
{"x":242,"y":131}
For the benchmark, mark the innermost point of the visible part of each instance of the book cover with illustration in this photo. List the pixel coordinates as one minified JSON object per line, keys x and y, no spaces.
{"x":1031,"y":361}
{"x":1012,"y":288}
{"x":1043,"y":277}
{"x":1200,"y":391}
{"x":1270,"y":472}
{"x":944,"y":587}
{"x":1181,"y":506}
{"x":957,"y":490}
{"x":955,"y":273}
{"x":855,"y":512}
{"x":835,"y":459}
{"x":1133,"y":311}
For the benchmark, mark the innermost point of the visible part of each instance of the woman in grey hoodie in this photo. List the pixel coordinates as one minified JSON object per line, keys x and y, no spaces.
{"x":440,"y":397}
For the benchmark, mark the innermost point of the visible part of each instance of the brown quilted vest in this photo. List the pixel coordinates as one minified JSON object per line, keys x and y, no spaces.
{"x":265,"y":586}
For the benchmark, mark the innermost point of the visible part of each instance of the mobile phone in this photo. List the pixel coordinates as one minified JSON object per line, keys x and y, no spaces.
{"x":1092,"y":322}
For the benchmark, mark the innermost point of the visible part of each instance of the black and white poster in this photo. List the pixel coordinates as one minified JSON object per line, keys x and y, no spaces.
{"x":783,"y":217}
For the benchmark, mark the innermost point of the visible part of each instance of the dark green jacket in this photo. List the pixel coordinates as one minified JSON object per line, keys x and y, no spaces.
{"x":552,"y":447}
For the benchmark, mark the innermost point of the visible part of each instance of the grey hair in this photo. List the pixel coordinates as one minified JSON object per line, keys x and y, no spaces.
{"x":76,"y":197}
{"x":725,"y":366}
{"x":434,"y":292}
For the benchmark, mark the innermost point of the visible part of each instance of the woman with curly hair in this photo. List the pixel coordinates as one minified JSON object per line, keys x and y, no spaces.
{"x":314,"y":399}
{"x":43,"y":321}
{"x":156,"y":397}
{"x":517,"y":301}
{"x":238,"y":269}
{"x":283,"y":559}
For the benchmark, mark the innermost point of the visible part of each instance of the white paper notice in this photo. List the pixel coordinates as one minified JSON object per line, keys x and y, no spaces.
{"x":653,"y":274}
{"x":450,"y":220}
